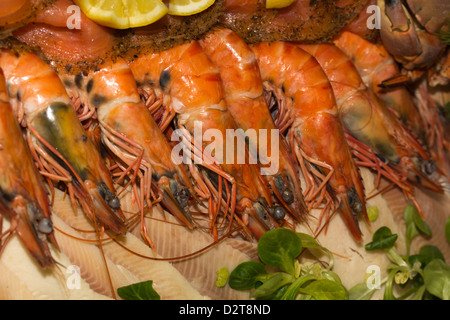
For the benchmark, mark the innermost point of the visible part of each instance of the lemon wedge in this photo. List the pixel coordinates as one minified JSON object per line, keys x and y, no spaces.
{"x":123,"y":14}
{"x":188,"y":7}
{"x":278,"y":4}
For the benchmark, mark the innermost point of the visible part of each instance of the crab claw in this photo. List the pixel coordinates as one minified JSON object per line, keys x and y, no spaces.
{"x":404,"y":39}
{"x":397,"y":31}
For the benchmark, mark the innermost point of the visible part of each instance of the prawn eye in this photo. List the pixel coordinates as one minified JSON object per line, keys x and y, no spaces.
{"x":114,"y":203}
{"x":287,"y":196}
{"x":164,"y":79}
{"x":429,"y":167}
{"x":279,"y":213}
{"x":354,"y":201}
{"x":279,"y":182}
{"x":45,"y":226}
{"x":110,"y":198}
{"x":182,"y":198}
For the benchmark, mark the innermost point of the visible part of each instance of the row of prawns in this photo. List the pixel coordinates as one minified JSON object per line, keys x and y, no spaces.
{"x":91,"y":132}
{"x":314,"y":95}
{"x":61,"y":114}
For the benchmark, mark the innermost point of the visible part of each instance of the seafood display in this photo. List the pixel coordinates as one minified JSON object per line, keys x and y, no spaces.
{"x":376,"y":66}
{"x":180,"y":158}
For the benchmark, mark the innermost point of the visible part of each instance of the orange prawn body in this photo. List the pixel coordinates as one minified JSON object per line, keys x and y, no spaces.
{"x":244,"y":94}
{"x":376,"y":65}
{"x":196,"y":91}
{"x":368,"y":120}
{"x":23,"y":196}
{"x":316,"y":129}
{"x":60,"y":142}
{"x":126,"y":124}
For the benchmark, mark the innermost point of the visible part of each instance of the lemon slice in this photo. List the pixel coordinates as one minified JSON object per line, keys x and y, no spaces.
{"x":123,"y":14}
{"x":188,"y":7}
{"x":278,"y":4}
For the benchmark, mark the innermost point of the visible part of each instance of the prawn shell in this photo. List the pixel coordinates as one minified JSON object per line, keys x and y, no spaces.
{"x":59,"y":121}
{"x":245,"y":98}
{"x":53,"y":124}
{"x":23,"y":196}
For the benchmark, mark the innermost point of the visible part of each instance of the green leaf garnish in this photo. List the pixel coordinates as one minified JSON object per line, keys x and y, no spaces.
{"x":139,"y":291}
{"x":437,"y":279}
{"x":414,"y":225}
{"x":292,"y":290}
{"x":222,"y":277}
{"x":420,"y":276}
{"x":279,"y":248}
{"x":326,"y":290}
{"x":361,"y":291}
{"x":245,"y":275}
{"x":382,"y":239}
{"x":429,"y":253}
{"x":271,"y":286}
{"x":372,"y":213}
{"x":309,"y":242}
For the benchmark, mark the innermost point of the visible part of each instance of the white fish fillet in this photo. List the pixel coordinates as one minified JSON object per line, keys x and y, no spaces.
{"x":173,"y":240}
{"x":23,"y":279}
{"x":194,"y":278}
{"x":167,"y":281}
{"x":87,"y":257}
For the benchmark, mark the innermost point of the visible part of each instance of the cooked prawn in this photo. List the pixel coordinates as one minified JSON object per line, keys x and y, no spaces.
{"x":315,"y":132}
{"x":368,"y":120}
{"x":130,"y":132}
{"x":245,"y":99}
{"x":376,"y":65}
{"x":378,"y":68}
{"x":23,"y":196}
{"x":57,"y":138}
